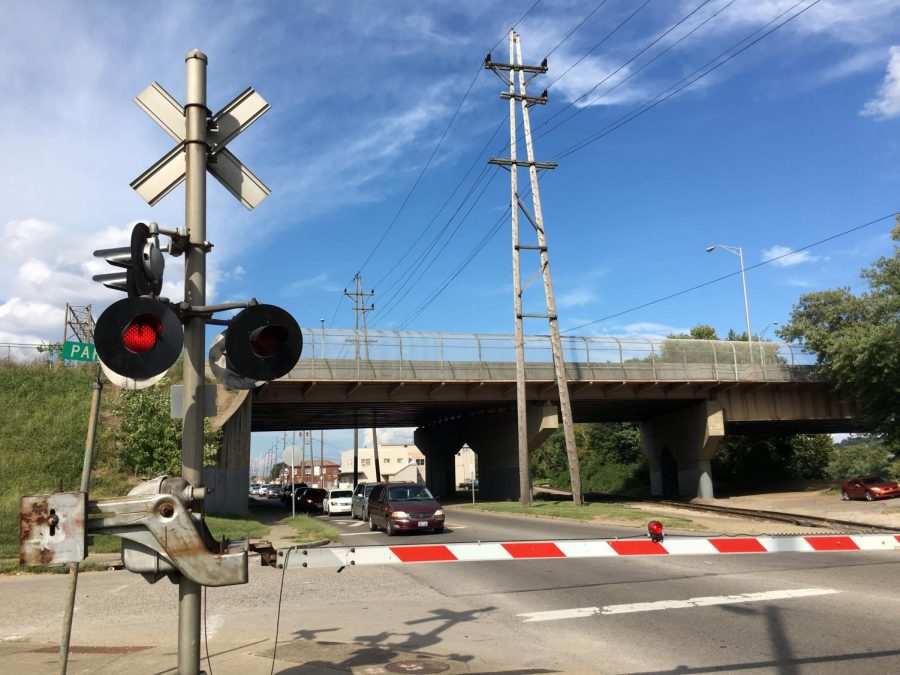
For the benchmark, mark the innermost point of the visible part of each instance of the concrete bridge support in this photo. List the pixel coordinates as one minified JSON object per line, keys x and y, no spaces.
{"x":680,"y":446}
{"x":228,"y":479}
{"x":439,"y":444}
{"x":494,"y":438}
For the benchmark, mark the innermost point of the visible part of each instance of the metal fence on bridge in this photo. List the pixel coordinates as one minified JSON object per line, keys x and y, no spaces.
{"x":342,"y":354}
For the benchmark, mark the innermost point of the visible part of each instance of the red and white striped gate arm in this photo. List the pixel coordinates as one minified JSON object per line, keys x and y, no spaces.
{"x":341,"y":556}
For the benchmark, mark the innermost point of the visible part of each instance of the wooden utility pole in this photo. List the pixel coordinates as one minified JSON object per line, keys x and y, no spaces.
{"x":360,"y":308}
{"x":514,"y":67}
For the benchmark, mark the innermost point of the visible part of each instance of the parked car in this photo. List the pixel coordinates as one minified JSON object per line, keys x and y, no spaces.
{"x":254,"y":488}
{"x":869,"y":488}
{"x":404,"y":507}
{"x":309,"y":500}
{"x":359,"y":500}
{"x":338,"y":501}
{"x":264,"y":490}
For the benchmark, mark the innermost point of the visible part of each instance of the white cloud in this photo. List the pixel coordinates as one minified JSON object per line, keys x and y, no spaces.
{"x":886,"y":104}
{"x":319,"y":282}
{"x":789,"y":259}
{"x":392,"y":436}
{"x":575,"y":298}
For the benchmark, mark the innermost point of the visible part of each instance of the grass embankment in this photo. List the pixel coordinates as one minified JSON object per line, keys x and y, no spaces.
{"x":235,"y":527}
{"x":309,"y":529}
{"x":613,"y":514}
{"x":42,"y":437}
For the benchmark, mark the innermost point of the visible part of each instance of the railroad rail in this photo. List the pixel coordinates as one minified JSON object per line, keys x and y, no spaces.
{"x":779,"y":516}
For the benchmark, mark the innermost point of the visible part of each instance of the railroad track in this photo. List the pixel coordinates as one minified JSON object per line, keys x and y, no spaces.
{"x":779,"y":516}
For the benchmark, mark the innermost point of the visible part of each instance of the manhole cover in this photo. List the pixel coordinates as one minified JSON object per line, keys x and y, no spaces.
{"x":416,"y":667}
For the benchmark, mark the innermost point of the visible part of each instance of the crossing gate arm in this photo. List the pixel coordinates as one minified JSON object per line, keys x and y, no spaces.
{"x":344,"y":556}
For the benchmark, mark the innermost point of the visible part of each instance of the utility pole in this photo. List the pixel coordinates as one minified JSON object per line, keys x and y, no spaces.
{"x":536,"y":219}
{"x":360,"y":309}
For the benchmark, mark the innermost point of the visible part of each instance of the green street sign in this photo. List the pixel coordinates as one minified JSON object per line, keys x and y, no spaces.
{"x":79,"y":351}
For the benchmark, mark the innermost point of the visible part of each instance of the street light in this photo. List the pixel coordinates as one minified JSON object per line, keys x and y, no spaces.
{"x":774,"y":323}
{"x":738,"y":251}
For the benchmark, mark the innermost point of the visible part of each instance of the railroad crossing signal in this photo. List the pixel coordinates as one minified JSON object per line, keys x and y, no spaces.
{"x":142,"y":263}
{"x":138,"y":338}
{"x":161,"y":178}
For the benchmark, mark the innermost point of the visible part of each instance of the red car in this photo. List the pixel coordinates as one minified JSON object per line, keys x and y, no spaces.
{"x":404,"y":507}
{"x":869,"y":488}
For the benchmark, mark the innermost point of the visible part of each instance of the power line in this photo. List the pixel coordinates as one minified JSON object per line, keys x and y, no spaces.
{"x":428,"y":163}
{"x":473,"y":253}
{"x":434,"y":257}
{"x":612,"y":73}
{"x":732,"y":274}
{"x":438,"y":212}
{"x":599,"y":44}
{"x":572,"y":32}
{"x":660,"y":98}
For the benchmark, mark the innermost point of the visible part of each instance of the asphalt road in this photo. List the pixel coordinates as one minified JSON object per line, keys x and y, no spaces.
{"x":767,"y":613}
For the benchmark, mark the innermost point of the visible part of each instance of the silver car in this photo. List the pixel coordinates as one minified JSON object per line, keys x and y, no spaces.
{"x":359,"y":501}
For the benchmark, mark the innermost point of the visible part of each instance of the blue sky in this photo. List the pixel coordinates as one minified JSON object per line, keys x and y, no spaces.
{"x":790,"y":142}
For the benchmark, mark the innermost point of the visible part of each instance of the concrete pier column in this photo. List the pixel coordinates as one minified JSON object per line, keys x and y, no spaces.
{"x":228,"y":479}
{"x":495,"y":439}
{"x":439,"y":444}
{"x":679,"y":446}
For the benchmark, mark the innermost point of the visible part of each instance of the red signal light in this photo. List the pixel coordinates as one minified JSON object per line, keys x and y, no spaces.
{"x":141,"y":333}
{"x":264,"y":342}
{"x":655,"y":530}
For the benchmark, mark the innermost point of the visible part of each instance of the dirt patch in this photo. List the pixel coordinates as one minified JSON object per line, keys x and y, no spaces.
{"x":820,"y":503}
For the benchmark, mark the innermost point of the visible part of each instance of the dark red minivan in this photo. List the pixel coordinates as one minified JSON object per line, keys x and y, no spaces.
{"x":404,"y":507}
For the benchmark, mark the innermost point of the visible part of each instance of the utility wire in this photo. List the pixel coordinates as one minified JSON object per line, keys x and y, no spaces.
{"x":602,"y":42}
{"x":572,"y":32}
{"x":412,"y":316}
{"x":618,"y":84}
{"x":447,"y":241}
{"x":733,"y":274}
{"x":629,"y":61}
{"x":687,"y":81}
{"x":428,"y":163}
{"x":440,"y":210}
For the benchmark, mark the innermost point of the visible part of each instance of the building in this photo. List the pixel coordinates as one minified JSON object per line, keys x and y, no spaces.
{"x":466,"y":466}
{"x":314,"y":473}
{"x":397,"y":463}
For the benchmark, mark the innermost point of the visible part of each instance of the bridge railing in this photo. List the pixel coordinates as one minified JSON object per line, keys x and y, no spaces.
{"x":342,"y":354}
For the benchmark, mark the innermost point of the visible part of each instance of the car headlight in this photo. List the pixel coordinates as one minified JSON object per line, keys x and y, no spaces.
{"x":399,"y":515}
{"x":439,"y":512}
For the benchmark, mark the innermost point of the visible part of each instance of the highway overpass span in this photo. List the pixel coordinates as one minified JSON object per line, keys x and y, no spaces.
{"x":459,"y":389}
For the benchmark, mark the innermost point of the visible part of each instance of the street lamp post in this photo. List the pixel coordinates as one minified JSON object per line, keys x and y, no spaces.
{"x":739,"y":252}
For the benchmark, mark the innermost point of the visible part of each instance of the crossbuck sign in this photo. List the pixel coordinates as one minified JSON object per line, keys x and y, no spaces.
{"x":161,"y":178}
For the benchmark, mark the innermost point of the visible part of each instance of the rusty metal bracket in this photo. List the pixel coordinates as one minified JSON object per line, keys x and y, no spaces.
{"x":160,"y":536}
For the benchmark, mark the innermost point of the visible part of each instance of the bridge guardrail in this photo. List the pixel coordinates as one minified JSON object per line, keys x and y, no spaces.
{"x":341,"y":354}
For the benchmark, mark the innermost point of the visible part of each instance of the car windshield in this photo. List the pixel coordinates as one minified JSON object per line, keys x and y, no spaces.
{"x":369,"y":489}
{"x":340,"y":493}
{"x":408,"y":493}
{"x":871,"y":480}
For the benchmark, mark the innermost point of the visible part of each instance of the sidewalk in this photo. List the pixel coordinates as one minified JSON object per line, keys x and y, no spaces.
{"x":297,"y":657}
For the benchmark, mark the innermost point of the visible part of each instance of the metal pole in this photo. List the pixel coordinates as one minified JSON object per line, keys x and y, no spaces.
{"x":85,"y":486}
{"x":293,"y":476}
{"x":194,"y":336}
{"x":355,"y":457}
{"x":746,"y":303}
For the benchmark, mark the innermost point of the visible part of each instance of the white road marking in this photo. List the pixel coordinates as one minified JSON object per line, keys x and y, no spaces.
{"x":708,"y":601}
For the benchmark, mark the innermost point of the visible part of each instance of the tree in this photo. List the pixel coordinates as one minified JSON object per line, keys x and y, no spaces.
{"x":856,"y":339}
{"x":149,"y":439}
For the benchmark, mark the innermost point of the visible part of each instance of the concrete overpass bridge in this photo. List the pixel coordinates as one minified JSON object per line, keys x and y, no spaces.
{"x":459,"y":389}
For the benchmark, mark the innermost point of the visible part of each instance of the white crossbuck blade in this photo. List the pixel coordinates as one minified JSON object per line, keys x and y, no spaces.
{"x":165,"y":175}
